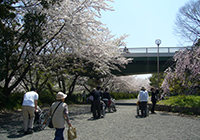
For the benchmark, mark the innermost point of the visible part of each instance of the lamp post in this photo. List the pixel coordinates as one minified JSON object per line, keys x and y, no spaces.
{"x":158,"y":42}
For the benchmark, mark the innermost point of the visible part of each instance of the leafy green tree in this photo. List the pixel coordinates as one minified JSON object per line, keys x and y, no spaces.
{"x":154,"y":79}
{"x":21,"y":36}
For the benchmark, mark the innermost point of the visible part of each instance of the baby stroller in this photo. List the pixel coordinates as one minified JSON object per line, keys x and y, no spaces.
{"x":40,"y":118}
{"x":110,"y":104}
{"x":139,"y":108}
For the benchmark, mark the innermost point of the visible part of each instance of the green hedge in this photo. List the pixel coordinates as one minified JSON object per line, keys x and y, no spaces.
{"x":45,"y":97}
{"x":182,"y":101}
{"x":15,"y":101}
{"x":118,"y":96}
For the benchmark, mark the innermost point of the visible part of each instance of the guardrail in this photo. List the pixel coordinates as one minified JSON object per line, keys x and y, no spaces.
{"x":153,"y":50}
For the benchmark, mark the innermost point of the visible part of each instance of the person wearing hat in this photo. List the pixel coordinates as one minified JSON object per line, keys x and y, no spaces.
{"x":29,"y":107}
{"x":143,"y":99}
{"x":61,"y":115}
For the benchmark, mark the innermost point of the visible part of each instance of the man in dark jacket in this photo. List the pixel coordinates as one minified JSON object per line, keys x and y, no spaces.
{"x":106,"y":97}
{"x":153,"y":99}
{"x":97,"y":95}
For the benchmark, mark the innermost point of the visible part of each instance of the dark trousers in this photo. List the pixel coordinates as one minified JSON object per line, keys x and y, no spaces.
{"x":143,"y":106}
{"x":106,"y":102}
{"x":91,"y":106}
{"x":153,"y":106}
{"x":96,"y":107}
{"x":59,"y":134}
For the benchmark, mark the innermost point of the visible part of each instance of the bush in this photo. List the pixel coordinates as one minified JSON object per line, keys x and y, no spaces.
{"x":118,"y":96}
{"x":183,"y":101}
{"x":16,"y":100}
{"x":45,"y":97}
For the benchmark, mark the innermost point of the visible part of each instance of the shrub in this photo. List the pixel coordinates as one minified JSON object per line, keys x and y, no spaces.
{"x":45,"y":97}
{"x":118,"y":96}
{"x":16,"y":100}
{"x":183,"y":101}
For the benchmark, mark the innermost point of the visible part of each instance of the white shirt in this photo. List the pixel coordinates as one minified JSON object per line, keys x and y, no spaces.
{"x":143,"y":96}
{"x":29,"y":99}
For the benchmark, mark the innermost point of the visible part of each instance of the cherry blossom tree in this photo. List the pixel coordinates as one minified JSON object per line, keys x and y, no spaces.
{"x":185,"y":73}
{"x":183,"y":76}
{"x":46,"y":33}
{"x":126,"y":84}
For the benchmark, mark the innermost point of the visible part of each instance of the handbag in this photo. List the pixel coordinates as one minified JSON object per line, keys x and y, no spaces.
{"x":71,"y":133}
{"x":50,"y":122}
{"x":91,"y":97}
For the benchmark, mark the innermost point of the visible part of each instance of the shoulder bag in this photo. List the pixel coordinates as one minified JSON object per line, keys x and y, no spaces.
{"x":50,"y":122}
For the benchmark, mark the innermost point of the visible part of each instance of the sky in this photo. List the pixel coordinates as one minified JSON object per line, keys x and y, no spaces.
{"x":145,"y":21}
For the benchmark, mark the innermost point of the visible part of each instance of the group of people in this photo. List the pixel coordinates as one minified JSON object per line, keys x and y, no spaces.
{"x":96,"y":96}
{"x":59,"y":110}
{"x":143,"y":98}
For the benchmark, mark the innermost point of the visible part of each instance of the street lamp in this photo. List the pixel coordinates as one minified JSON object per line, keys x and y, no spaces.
{"x":158,"y":42}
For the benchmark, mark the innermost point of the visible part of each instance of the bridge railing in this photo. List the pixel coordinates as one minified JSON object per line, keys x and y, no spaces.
{"x":153,"y":50}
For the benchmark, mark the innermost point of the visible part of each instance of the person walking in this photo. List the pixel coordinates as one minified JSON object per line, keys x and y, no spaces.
{"x":61,"y":115}
{"x":83,"y":96}
{"x":29,"y":107}
{"x":96,"y":103}
{"x":143,"y":98}
{"x":153,"y":100}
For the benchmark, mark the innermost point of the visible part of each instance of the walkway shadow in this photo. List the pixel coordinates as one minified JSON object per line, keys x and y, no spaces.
{"x":12,"y":124}
{"x":76,"y":110}
{"x":19,"y":134}
{"x":140,"y":117}
{"x":92,"y":119}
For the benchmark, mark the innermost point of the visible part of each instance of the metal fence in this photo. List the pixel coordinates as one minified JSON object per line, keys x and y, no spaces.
{"x":153,"y":50}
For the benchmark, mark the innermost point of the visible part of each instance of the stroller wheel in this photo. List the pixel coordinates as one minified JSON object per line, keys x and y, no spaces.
{"x":42,"y":122}
{"x":138,"y":111}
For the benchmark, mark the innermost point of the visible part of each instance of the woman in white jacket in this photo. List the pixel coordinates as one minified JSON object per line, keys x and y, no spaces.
{"x":143,"y":98}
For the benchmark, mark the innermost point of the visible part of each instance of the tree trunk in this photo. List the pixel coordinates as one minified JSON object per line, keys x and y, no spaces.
{"x":71,"y":88}
{"x":50,"y":88}
{"x":7,"y":90}
{"x":63,"y":84}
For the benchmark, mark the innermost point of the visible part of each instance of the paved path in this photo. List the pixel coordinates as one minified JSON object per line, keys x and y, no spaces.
{"x":122,"y":125}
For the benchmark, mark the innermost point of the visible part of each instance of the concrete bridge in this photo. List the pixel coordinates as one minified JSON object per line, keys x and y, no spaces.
{"x":145,"y":59}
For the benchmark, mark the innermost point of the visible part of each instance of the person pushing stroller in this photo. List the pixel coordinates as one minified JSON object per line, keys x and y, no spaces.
{"x":143,"y":99}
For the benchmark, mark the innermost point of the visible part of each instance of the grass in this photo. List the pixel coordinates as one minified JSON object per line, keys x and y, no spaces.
{"x":182,"y":101}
